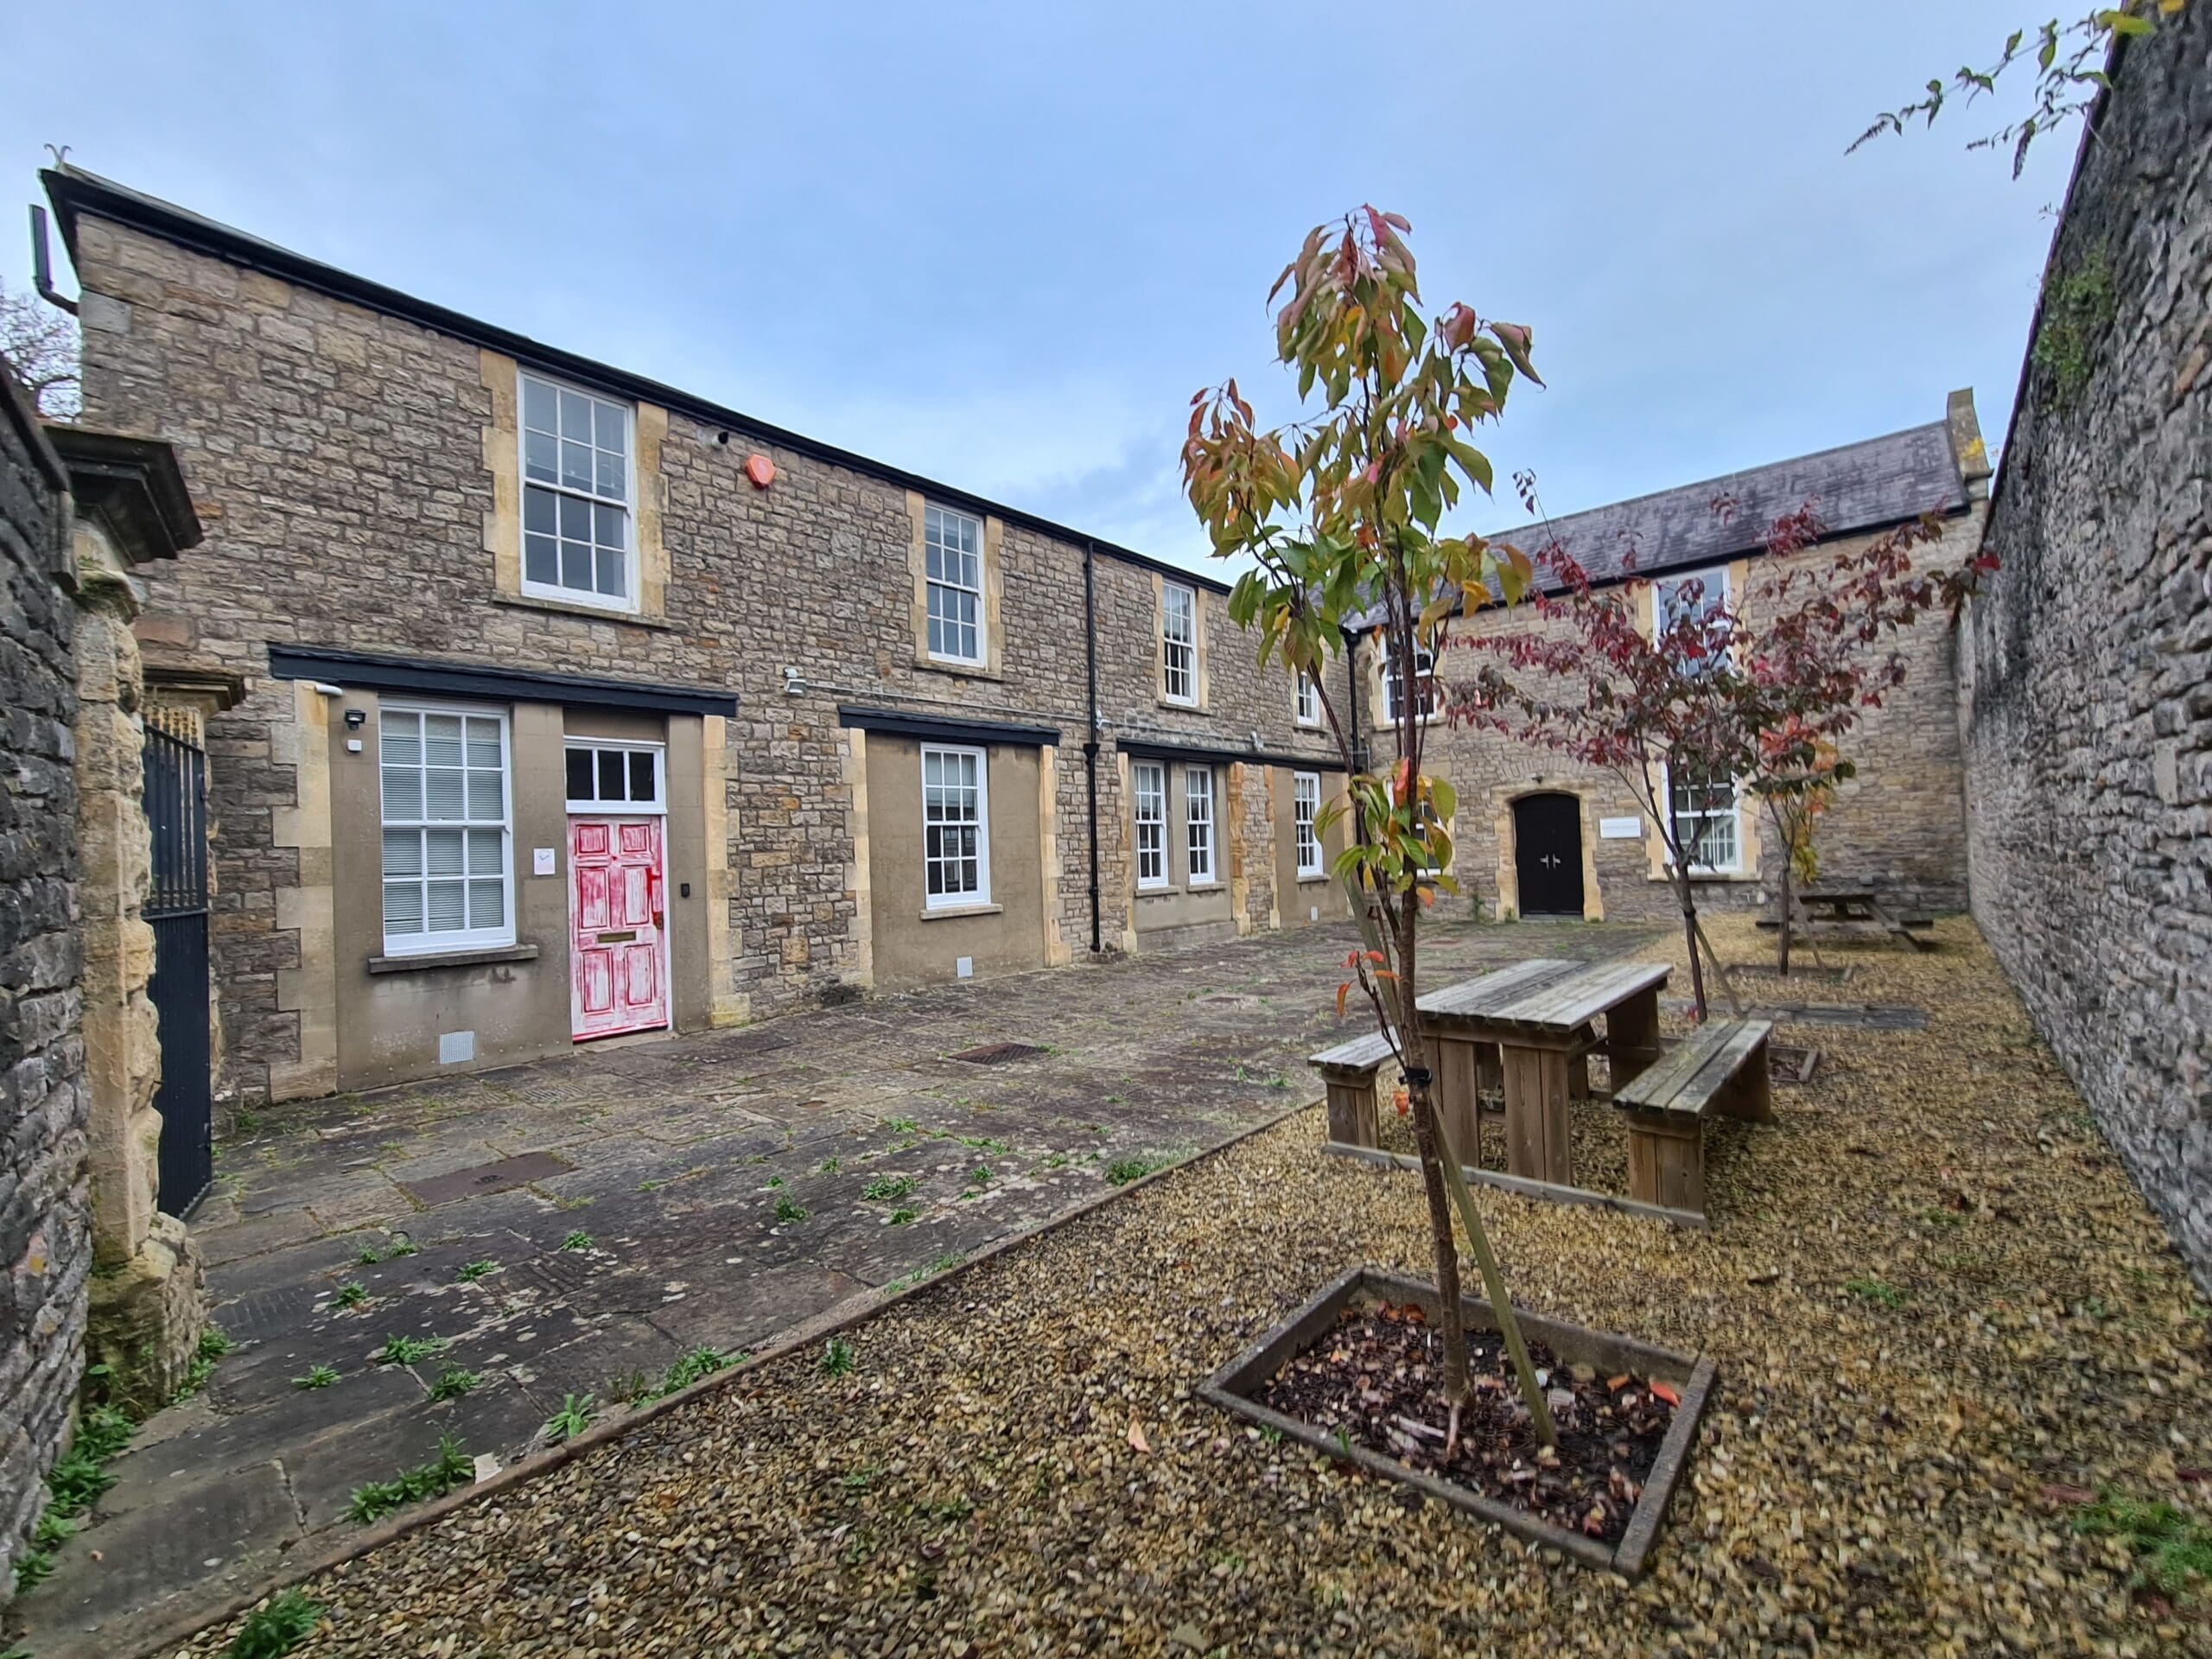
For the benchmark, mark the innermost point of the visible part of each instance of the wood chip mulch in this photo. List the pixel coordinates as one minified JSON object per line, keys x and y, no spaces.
{"x":1945,"y":1322}
{"x":1375,"y":1378}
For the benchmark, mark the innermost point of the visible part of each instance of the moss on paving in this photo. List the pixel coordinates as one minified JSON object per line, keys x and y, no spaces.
{"x":1906,"y":1480}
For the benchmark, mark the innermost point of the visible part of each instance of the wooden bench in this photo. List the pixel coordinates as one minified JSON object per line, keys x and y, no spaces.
{"x":1722,"y":1067}
{"x":1349,"y":1069}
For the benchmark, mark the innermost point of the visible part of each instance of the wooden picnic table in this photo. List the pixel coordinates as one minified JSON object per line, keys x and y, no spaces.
{"x":1852,"y":912}
{"x":1527,"y":1030}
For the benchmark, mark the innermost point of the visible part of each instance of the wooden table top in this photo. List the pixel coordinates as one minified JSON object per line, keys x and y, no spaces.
{"x":1544,"y":995}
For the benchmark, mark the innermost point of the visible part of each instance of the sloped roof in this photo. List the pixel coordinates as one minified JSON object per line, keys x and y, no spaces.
{"x":1852,"y":489}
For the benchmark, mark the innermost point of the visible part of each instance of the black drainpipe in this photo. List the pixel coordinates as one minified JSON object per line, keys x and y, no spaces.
{"x":1090,"y":741}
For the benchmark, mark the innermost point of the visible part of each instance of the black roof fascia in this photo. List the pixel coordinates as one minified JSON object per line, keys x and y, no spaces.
{"x":894,"y":722}
{"x":73,"y":191}
{"x":421,"y":674}
{"x":1150,"y":748}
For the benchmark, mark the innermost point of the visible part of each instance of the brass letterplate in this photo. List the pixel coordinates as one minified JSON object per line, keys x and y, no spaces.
{"x":619,"y":938}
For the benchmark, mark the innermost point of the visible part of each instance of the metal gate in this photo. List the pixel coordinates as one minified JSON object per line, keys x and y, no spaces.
{"x":177,"y":907}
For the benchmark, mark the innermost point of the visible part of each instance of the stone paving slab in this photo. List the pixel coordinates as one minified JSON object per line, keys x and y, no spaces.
{"x":678,"y":1153}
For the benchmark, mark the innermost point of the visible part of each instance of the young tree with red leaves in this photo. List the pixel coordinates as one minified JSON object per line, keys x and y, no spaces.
{"x":1753,"y":692}
{"x":1340,"y":516}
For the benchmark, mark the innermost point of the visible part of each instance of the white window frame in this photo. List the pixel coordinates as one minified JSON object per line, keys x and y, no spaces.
{"x":1304,"y":817}
{"x":591,"y":806}
{"x":1714,"y":581}
{"x":981,"y":896}
{"x":1713,"y":595}
{"x":594,"y":498}
{"x":424,"y":942}
{"x":933,"y":515}
{"x":1305,"y":699}
{"x":1186,"y":643}
{"x":1425,"y":671}
{"x":1734,"y":814}
{"x":1149,"y":792}
{"x":1198,"y":827}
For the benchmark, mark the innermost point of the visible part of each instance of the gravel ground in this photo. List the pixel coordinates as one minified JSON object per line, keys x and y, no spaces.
{"x":1016,"y":1464}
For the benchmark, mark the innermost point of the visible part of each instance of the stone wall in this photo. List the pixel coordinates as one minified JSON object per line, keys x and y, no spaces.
{"x":45,"y":1207}
{"x":2086,"y":677}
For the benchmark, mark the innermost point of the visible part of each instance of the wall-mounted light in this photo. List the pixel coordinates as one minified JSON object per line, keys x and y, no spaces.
{"x":356,"y":718}
{"x":792,"y":684}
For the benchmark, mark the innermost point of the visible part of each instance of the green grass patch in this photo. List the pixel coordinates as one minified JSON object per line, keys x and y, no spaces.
{"x":2171,"y":1550}
{"x":1874,"y":1291}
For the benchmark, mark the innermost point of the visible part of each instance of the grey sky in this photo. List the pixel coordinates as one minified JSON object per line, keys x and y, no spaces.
{"x":1001,"y":244}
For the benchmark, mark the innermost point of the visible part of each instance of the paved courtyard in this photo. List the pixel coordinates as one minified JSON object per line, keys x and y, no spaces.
{"x":579,"y":1226}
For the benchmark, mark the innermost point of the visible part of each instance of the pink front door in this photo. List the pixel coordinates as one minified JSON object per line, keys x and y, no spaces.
{"x":618,"y":970}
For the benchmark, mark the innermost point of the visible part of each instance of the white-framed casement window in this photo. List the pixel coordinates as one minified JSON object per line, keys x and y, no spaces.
{"x":1178,"y":643}
{"x":1148,"y":782}
{"x":448,"y":868}
{"x":577,"y":543}
{"x":953,"y":545}
{"x":616,"y":779}
{"x":1706,"y":816}
{"x":1306,"y":706}
{"x":1304,"y":817}
{"x":956,"y":828}
{"x":1197,"y":824}
{"x":1432,"y":694}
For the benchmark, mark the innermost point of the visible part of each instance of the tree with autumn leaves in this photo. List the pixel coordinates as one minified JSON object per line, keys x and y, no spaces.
{"x":1718,"y":693}
{"x":1341,"y":516}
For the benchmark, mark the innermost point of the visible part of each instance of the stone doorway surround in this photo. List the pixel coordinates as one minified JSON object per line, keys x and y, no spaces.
{"x":145,"y":1309}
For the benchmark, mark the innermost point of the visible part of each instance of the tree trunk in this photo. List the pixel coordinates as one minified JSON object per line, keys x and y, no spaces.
{"x":1782,"y":948}
{"x":1429,"y":1138}
{"x":1697,"y":966}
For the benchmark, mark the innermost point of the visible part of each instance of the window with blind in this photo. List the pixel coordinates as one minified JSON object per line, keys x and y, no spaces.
{"x":448,"y":863}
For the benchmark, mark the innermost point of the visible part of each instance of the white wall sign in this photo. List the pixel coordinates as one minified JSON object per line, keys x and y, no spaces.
{"x":1620,"y":828}
{"x":541,"y":860}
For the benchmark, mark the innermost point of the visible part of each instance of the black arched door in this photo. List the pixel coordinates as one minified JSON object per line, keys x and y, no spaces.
{"x":1548,"y":854}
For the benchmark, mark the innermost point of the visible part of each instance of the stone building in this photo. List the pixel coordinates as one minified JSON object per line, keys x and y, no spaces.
{"x":2087,"y":678}
{"x":572,"y":705}
{"x":91,"y":1263}
{"x":1537,"y":835}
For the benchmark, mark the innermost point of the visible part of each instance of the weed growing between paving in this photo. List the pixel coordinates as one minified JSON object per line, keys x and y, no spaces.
{"x":578,"y":1240}
{"x":214,"y":1344}
{"x":276,"y":1627}
{"x":471,"y":1272}
{"x":353,"y":1293}
{"x":316,"y":1376}
{"x":455,"y":1383}
{"x":452,"y":1467}
{"x":573,"y":1417}
{"x":836,"y":1357}
{"x":405,"y":1351}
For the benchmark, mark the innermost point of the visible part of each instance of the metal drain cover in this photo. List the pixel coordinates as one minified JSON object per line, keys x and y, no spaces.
{"x":481,"y":1179}
{"x":998,"y":1053}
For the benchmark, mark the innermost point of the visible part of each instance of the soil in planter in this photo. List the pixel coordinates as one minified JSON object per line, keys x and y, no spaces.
{"x":1374,"y":1379}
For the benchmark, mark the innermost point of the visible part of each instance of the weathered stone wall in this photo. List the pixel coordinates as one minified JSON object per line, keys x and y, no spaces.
{"x":45,"y":1205}
{"x":1898,"y":825}
{"x":341,"y":461}
{"x":2087,"y":678}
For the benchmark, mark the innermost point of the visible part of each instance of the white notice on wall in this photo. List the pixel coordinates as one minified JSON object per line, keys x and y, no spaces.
{"x":541,"y":860}
{"x":1619,"y":828}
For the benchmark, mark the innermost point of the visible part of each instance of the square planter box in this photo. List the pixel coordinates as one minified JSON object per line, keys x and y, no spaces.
{"x":1232,"y":1387}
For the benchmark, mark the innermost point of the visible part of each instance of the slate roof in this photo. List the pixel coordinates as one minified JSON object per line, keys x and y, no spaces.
{"x":1853,"y":488}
